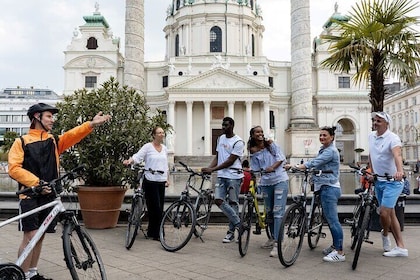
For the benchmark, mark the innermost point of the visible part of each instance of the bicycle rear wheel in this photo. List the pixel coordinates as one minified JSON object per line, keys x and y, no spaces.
{"x":134,"y":221}
{"x":203,"y":212}
{"x":292,"y":231}
{"x":246,"y":224}
{"x":10,"y":271}
{"x":356,"y":224}
{"x":315,"y":224}
{"x":177,"y":226}
{"x":81,"y":255}
{"x":361,"y":235}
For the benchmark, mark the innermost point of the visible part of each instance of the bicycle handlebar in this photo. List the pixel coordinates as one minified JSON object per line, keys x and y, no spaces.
{"x":311,"y":171}
{"x":140,"y":167}
{"x":193,"y":173}
{"x":364,"y":172}
{"x":53,"y":184}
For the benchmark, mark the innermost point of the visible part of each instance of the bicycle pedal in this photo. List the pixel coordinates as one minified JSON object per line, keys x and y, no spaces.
{"x":349,"y":222}
{"x":368,"y":241}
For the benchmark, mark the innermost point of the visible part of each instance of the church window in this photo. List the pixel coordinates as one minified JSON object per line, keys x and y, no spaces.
{"x":177,"y":45}
{"x":90,"y":81}
{"x":178,"y":3}
{"x":252,"y":4}
{"x":343,"y":82}
{"x":92,"y":43}
{"x":215,"y":39}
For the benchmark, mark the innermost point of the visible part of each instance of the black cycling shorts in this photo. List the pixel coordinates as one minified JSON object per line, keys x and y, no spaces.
{"x":33,"y":222}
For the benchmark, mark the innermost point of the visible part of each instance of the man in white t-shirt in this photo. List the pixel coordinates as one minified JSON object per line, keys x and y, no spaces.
{"x":386,"y":159}
{"x":227,"y":163}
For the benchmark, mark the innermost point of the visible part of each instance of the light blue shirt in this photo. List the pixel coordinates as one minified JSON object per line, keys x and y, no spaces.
{"x":263,"y":159}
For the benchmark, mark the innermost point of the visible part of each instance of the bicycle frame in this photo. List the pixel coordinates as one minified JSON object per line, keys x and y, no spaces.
{"x":58,"y":207}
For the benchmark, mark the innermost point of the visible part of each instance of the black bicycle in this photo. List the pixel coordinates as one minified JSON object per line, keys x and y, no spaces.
{"x":296,"y":221}
{"x":80,"y":252}
{"x":362,"y":214}
{"x":138,"y":204}
{"x":186,"y":217}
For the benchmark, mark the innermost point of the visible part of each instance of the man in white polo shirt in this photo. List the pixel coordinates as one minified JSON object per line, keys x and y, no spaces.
{"x":385,"y":158}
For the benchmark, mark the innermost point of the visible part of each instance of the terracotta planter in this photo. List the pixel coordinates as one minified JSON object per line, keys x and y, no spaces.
{"x":100,"y":206}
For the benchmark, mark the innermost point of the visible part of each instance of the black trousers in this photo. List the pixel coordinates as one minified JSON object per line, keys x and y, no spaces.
{"x":155,"y":198}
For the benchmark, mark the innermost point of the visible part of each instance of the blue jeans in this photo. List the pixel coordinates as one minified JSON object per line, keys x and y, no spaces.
{"x":275,"y":199}
{"x":227,"y":190}
{"x":329,"y":200}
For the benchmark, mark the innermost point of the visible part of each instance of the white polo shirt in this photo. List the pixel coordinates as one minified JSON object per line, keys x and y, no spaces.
{"x":380,"y":151}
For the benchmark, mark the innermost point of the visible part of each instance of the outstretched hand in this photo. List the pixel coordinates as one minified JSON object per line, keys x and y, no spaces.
{"x":99,"y":119}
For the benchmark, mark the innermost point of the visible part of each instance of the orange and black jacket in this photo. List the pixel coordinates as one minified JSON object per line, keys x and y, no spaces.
{"x":38,"y":157}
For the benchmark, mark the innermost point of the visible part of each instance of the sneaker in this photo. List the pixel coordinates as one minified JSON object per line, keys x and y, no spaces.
{"x":396,"y":252}
{"x":328,"y":250}
{"x":39,"y":277}
{"x":334,"y":256}
{"x":268,"y":244}
{"x":386,"y":242}
{"x":229,"y":237}
{"x":274,"y":252}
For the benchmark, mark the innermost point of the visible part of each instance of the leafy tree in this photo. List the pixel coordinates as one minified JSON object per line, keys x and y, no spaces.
{"x":9,"y":137}
{"x":379,"y":41}
{"x":103,"y":151}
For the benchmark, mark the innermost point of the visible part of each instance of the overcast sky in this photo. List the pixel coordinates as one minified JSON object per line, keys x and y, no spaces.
{"x":34,"y":33}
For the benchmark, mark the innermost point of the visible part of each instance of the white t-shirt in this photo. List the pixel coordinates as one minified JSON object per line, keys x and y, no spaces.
{"x":225,"y":147}
{"x":380,"y":152}
{"x":154,"y":160}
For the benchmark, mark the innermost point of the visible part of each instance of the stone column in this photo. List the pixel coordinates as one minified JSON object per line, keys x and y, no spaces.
{"x":134,"y":45}
{"x":301,"y":65}
{"x":207,"y":135}
{"x":189,"y":127}
{"x":231,"y":109}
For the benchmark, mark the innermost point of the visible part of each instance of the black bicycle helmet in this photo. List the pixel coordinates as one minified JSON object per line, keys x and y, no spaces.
{"x":39,"y":108}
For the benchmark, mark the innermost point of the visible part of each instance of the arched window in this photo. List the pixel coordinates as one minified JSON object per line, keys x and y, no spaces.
{"x":178,"y":3}
{"x":215,"y":39}
{"x":177,"y":45}
{"x":253,"y":45}
{"x":92,"y":43}
{"x":252,"y":4}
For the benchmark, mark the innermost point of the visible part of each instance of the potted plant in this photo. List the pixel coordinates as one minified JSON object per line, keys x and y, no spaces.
{"x":103,"y":151}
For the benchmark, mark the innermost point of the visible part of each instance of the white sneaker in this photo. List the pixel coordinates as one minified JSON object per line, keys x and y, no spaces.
{"x":268,"y":244}
{"x":386,"y":242}
{"x":274,"y":252}
{"x":334,"y":256}
{"x":396,"y":252}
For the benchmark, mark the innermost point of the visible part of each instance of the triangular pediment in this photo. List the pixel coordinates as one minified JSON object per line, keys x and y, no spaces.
{"x":218,"y":79}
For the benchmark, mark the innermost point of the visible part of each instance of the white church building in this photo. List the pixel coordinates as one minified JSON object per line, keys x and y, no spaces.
{"x":214,"y":67}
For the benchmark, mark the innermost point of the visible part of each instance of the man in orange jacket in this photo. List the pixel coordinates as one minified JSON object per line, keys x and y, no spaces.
{"x":33,"y":158}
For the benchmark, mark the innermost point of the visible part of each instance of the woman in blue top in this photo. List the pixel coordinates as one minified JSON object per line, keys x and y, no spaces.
{"x":328,"y":184}
{"x":266,"y":156}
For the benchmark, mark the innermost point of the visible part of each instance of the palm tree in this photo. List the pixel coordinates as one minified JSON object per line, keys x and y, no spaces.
{"x":379,"y":41}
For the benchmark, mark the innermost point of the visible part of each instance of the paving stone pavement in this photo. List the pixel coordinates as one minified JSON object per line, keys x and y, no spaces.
{"x":215,"y":260}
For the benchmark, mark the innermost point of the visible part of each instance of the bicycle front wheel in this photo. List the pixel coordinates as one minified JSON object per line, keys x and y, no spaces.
{"x":356,"y":223}
{"x":362,"y":233}
{"x":246,"y":224}
{"x":81,"y":255}
{"x":10,"y":271}
{"x":134,"y":221}
{"x":292,"y":231}
{"x":315,"y":224}
{"x":177,"y":226}
{"x":203,"y":212}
